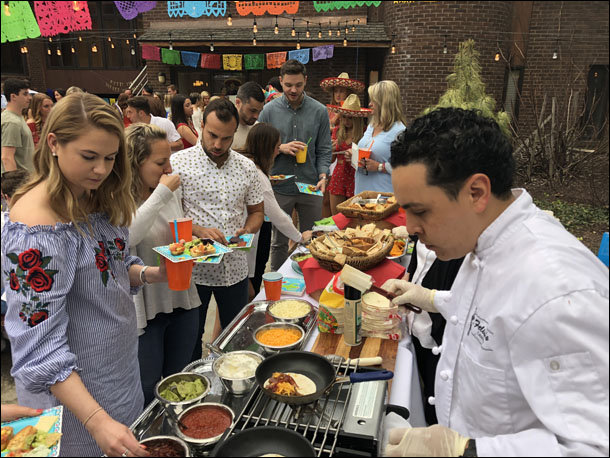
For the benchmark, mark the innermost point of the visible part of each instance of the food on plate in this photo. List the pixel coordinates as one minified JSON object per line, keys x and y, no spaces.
{"x":237,"y":242}
{"x":278,"y":337}
{"x":237,"y":365}
{"x":164,"y":447}
{"x":312,"y":188}
{"x":7,"y":435}
{"x":301,"y":257}
{"x":206,"y":422}
{"x":398,"y":248}
{"x":202,"y":247}
{"x":183,"y":390}
{"x":177,"y":248}
{"x":290,"y":384}
{"x":359,"y":243}
{"x":32,"y":442}
{"x":289,"y":309}
{"x":277,"y":177}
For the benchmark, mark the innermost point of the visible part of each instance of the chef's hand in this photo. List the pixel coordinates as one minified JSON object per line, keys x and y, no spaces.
{"x":410,"y":293}
{"x":292,"y":148}
{"x":114,"y":438}
{"x":436,"y":440}
{"x":11,"y":412}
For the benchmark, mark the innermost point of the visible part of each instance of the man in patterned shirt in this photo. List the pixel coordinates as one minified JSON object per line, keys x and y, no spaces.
{"x":222,"y":194}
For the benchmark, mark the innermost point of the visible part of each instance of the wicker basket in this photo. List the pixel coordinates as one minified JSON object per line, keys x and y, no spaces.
{"x":361,"y":263}
{"x":371,"y":215}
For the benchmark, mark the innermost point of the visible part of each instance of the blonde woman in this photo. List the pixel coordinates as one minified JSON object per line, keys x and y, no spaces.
{"x":167,"y":320}
{"x":40,"y":106}
{"x":71,"y":318}
{"x":202,"y":101}
{"x":340,"y":88}
{"x":375,"y":173}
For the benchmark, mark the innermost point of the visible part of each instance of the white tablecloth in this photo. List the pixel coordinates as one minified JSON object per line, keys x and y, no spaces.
{"x":405,"y":386}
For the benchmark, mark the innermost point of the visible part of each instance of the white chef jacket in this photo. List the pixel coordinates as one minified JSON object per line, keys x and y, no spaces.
{"x":524,"y":365}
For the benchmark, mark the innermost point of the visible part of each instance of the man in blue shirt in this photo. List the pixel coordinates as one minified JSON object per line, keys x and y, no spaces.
{"x":301,"y":120}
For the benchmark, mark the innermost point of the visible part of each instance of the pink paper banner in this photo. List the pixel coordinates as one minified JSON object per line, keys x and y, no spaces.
{"x":151,"y":52}
{"x":62,"y":17}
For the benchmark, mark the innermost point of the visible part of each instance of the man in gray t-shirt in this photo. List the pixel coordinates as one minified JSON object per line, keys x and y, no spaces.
{"x":17,"y":141}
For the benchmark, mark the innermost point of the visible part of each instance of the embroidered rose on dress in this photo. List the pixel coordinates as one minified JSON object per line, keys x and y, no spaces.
{"x":30,"y":277}
{"x":119,"y":243}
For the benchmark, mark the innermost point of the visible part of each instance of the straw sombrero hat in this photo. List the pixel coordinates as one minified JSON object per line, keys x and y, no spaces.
{"x":343,"y":80}
{"x":351,"y":108}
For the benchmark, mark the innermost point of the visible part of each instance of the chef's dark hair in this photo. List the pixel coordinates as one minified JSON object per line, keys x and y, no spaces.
{"x":224,"y":109}
{"x":454,"y":144}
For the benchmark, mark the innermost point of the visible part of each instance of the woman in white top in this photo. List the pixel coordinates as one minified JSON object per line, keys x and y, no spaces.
{"x":262,"y":146}
{"x":167,"y":320}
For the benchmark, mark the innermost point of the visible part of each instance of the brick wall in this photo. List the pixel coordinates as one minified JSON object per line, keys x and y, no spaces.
{"x":419,"y":66}
{"x":579,"y":32}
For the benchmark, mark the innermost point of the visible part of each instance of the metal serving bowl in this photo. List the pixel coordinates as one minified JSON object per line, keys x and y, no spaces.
{"x":298,"y":320}
{"x":271,"y":350}
{"x":179,"y":442}
{"x":237,"y":386}
{"x":210,"y":440}
{"x":178,"y":406}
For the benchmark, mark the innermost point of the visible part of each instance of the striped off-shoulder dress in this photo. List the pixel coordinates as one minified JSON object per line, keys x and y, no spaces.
{"x":70,"y":308}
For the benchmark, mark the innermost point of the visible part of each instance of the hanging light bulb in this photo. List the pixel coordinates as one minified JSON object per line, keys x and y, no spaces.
{"x":25,"y":50}
{"x":74,"y":50}
{"x":330,"y":32}
{"x":353,"y":25}
{"x":49,"y":51}
{"x":80,"y":38}
{"x":293,"y":32}
{"x":345,"y":42}
{"x":298,"y":45}
{"x":134,"y":36}
{"x":111,"y":45}
{"x":497,"y":57}
{"x":127,"y":41}
{"x":254,"y":27}
{"x":50,"y":39}
{"x":171,"y":46}
{"x":307,"y":34}
{"x":338,"y":29}
{"x":346,"y":28}
{"x":7,"y":10}
{"x":254,"y":40}
{"x":75,"y":6}
{"x":276,"y":30}
{"x":393,"y":49}
{"x":94,"y":48}
{"x":211,"y":43}
{"x":133,"y":52}
{"x":58,"y":51}
{"x":109,"y":39}
{"x":556,"y":51}
{"x":22,"y":51}
{"x":230,"y":20}
{"x":445,"y":44}
{"x":320,"y":31}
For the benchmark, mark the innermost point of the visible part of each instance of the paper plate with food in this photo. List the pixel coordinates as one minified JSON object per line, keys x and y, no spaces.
{"x":309,"y":189}
{"x":195,"y":249}
{"x":279,"y":178}
{"x":240,"y":242}
{"x":33,"y":436}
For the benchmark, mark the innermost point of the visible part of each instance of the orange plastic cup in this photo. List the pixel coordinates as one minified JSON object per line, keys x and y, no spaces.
{"x":273,"y":285}
{"x":179,"y":274}
{"x":185,"y":228}
{"x":363,"y":154}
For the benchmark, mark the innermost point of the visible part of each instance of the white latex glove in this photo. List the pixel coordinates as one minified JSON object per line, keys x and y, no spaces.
{"x":410,"y":293}
{"x":400,"y":232}
{"x":436,"y":440}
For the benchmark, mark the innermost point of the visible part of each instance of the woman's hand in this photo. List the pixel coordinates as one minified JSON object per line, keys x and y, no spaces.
{"x":171,"y":181}
{"x":348,"y":155}
{"x":114,"y":438}
{"x":370,"y":165}
{"x":11,"y":412}
{"x":306,"y":236}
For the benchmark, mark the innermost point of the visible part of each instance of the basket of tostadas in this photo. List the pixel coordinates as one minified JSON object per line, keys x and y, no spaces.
{"x":366,"y":206}
{"x":362,"y":248}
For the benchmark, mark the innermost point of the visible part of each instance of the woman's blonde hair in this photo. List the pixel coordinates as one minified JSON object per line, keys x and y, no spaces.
{"x":201,"y":103}
{"x":138,"y":140}
{"x":35,"y":106}
{"x":386,"y":97}
{"x":357,"y":130}
{"x":72,"y":117}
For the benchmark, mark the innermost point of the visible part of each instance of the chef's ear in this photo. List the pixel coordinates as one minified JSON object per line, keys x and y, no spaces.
{"x":478,"y":187}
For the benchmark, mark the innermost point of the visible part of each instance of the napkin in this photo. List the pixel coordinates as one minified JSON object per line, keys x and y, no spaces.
{"x":316,"y":278}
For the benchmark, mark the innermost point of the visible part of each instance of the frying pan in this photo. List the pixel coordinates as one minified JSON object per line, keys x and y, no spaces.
{"x":314,"y":366}
{"x":263,"y":440}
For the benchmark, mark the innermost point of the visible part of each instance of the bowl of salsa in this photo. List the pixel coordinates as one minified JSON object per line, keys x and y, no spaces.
{"x":205,"y":423}
{"x":166,"y":446}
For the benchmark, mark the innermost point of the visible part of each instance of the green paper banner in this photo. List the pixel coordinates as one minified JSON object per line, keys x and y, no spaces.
{"x":21,"y":23}
{"x":327,"y":6}
{"x":254,"y":61}
{"x":170,"y":56}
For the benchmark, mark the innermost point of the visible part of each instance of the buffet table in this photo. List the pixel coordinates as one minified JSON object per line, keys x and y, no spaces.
{"x":405,"y":390}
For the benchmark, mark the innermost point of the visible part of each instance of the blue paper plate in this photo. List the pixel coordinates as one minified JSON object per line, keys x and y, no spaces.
{"x":296,"y":268}
{"x":18,"y":425}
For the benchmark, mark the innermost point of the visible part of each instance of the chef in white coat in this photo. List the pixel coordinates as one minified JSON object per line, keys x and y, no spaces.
{"x":524,"y":362}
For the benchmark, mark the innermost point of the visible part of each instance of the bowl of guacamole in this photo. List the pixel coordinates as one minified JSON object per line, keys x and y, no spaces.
{"x":182,"y":389}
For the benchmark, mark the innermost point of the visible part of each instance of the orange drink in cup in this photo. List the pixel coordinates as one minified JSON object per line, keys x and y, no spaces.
{"x":185,"y":229}
{"x":273,"y":285}
{"x":179,"y":274}
{"x":363,"y":154}
{"x":302,"y":155}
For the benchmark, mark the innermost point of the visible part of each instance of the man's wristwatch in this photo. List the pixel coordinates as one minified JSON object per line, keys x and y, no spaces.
{"x":471,"y":448}
{"x":380,"y":167}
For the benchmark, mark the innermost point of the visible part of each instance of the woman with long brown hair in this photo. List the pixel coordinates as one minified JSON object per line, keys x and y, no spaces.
{"x":40,"y":107}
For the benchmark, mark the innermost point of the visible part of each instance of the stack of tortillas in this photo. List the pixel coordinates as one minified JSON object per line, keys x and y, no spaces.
{"x":380,"y":317}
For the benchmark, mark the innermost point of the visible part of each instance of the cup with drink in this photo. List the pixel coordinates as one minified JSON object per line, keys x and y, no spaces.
{"x":179,"y":273}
